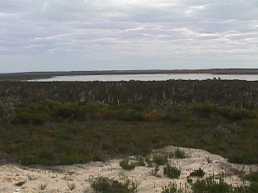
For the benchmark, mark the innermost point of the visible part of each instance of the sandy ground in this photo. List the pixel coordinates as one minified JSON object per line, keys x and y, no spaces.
{"x":76,"y":178}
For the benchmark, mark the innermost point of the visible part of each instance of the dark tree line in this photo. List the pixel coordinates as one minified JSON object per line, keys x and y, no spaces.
{"x":235,"y":93}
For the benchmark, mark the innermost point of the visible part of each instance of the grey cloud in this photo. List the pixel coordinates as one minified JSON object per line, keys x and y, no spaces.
{"x":87,"y":30}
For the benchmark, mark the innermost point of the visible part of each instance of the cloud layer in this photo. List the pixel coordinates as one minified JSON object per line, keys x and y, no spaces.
{"x":127,"y":34}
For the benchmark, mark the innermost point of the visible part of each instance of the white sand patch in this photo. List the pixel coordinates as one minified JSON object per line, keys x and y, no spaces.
{"x":61,"y":179}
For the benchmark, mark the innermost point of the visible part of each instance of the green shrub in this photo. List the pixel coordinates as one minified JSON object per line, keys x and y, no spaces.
{"x":154,"y":171}
{"x":198,"y":173}
{"x":171,"y":188}
{"x":189,"y":180}
{"x":205,"y":110}
{"x":68,"y":111}
{"x":7,"y":111}
{"x":149,"y":161}
{"x":253,"y":188}
{"x":160,"y":159}
{"x":253,"y":177}
{"x":235,"y":114}
{"x":210,"y":185}
{"x":140,"y":161}
{"x":75,"y":127}
{"x":36,"y":118}
{"x":179,"y":154}
{"x":243,"y":157}
{"x":172,"y":172}
{"x":106,"y":185}
{"x":127,"y":165}
{"x":130,"y":115}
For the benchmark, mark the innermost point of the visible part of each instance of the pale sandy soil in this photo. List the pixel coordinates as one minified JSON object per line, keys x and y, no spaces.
{"x":61,"y":179}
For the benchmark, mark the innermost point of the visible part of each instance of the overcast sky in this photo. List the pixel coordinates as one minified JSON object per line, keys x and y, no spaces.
{"x":46,"y":35}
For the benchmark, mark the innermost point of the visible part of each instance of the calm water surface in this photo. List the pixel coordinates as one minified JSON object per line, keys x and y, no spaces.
{"x":150,"y":77}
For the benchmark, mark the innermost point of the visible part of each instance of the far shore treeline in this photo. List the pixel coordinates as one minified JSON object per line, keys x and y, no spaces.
{"x":76,"y":122}
{"x":221,"y":92}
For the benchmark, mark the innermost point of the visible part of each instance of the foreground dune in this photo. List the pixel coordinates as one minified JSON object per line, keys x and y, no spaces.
{"x":76,"y":178}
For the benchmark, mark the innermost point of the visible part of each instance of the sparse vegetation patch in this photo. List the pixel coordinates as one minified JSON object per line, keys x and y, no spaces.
{"x":172,"y":172}
{"x":198,"y":173}
{"x":160,"y":158}
{"x":127,"y":165}
{"x":106,"y":185}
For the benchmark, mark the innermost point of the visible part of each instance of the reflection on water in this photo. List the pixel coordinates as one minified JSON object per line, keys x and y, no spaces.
{"x":150,"y":77}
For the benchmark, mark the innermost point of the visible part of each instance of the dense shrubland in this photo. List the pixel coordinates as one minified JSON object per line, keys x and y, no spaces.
{"x":233,"y":93}
{"x":7,"y":111}
{"x":64,"y":123}
{"x":80,"y":132}
{"x":39,"y":113}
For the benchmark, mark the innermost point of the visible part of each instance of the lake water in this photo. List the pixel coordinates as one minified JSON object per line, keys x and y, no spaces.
{"x":150,"y":77}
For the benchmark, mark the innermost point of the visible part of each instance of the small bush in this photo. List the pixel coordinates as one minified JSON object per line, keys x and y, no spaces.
{"x":36,"y":118}
{"x":210,"y":185}
{"x":253,"y":188}
{"x":7,"y":111}
{"x":126,"y":165}
{"x":189,"y":180}
{"x":152,"y":116}
{"x":149,"y":162}
{"x":71,"y":111}
{"x":172,"y":172}
{"x":154,"y":172}
{"x":198,"y":173}
{"x":230,"y":113}
{"x":171,"y":188}
{"x":160,"y":159}
{"x":234,"y":114}
{"x":130,"y":115}
{"x":243,"y":158}
{"x":106,"y":185}
{"x":140,"y":161}
{"x":179,"y":154}
{"x":42,"y":186}
{"x":253,"y":177}
{"x":71,"y":186}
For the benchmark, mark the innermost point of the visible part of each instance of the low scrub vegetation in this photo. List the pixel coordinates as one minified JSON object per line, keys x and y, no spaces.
{"x":127,"y":165}
{"x":171,"y":188}
{"x":7,"y":110}
{"x":106,"y":185}
{"x":97,"y":131}
{"x":179,"y":154}
{"x":160,"y":159}
{"x":253,"y":179}
{"x":155,"y":171}
{"x":140,"y":161}
{"x":210,"y":185}
{"x":197,"y":173}
{"x":172,"y":172}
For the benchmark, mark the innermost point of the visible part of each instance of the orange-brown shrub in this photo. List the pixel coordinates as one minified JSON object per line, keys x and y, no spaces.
{"x":152,"y":116}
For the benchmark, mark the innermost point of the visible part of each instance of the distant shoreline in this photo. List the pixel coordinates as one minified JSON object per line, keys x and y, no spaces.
{"x":46,"y":75}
